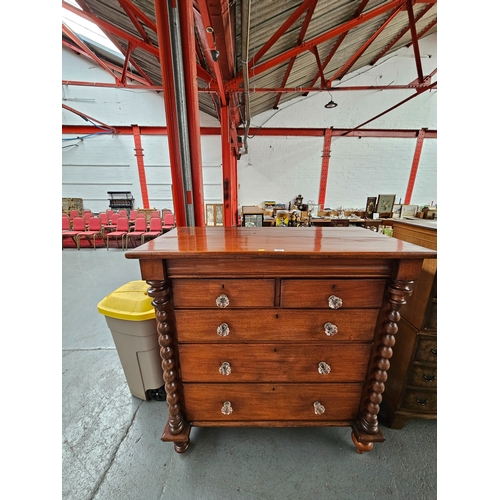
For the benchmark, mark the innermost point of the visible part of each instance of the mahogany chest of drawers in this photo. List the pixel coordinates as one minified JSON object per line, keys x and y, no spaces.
{"x":277,"y":326}
{"x":411,"y":390}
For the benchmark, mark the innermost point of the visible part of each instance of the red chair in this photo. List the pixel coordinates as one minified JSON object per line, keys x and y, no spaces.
{"x":112,"y":223}
{"x":73,"y":213}
{"x":78,"y":227}
{"x":94,"y":229}
{"x":104,"y":218}
{"x":87,"y":214}
{"x":121,"y":231}
{"x":67,"y":232}
{"x":140,"y":228}
{"x":168,"y":221}
{"x":155,"y":229}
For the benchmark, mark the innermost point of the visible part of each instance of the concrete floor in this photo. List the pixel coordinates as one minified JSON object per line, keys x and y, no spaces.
{"x":111,"y":439}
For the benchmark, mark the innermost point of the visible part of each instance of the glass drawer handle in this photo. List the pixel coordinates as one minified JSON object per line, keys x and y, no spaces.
{"x":225,"y":368}
{"x":223,"y":329}
{"x":334,"y":302}
{"x":434,"y":352}
{"x":319,"y":409}
{"x":324,"y":368}
{"x":227,"y":409}
{"x":429,"y":378}
{"x":222,"y":301}
{"x":330,"y":329}
{"x":422,"y":401}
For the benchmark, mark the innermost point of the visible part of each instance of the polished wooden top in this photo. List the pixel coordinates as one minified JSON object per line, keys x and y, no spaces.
{"x":425,"y":223}
{"x":334,"y":242}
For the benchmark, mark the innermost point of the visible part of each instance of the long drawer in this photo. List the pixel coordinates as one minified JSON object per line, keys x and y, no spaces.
{"x":203,"y":293}
{"x":228,"y":326}
{"x":424,"y":376}
{"x":240,"y":402}
{"x":427,"y":350}
{"x":317,"y":293}
{"x":318,"y":363}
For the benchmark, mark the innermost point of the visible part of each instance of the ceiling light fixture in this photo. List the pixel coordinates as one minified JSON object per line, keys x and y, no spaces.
{"x":331,"y":104}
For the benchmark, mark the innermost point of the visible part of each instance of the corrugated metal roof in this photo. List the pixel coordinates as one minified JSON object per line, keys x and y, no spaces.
{"x":266,"y":17}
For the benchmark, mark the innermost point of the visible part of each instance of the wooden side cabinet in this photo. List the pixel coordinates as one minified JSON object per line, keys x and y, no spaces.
{"x":411,"y":390}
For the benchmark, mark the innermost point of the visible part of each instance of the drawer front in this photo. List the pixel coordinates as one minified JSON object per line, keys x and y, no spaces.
{"x":228,"y":326}
{"x":315,"y":293}
{"x":203,"y":293}
{"x":267,"y":402}
{"x":424,"y":376}
{"x":420,"y":400}
{"x":427,"y":350}
{"x":231,"y":363}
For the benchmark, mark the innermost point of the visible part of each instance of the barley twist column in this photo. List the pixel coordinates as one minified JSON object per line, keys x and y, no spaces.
{"x":160,"y":291}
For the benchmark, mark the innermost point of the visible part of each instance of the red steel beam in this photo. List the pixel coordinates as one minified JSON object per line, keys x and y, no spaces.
{"x":276,"y":132}
{"x":186,"y":17}
{"x":170,"y":99}
{"x":328,"y":35}
{"x":325,"y":164}
{"x":135,"y":14}
{"x":140,"y":165}
{"x":414,"y":38}
{"x":87,"y":51}
{"x":87,"y":118}
{"x":352,"y":60}
{"x":414,"y":166}
{"x":227,"y":180}
{"x":425,"y":30}
{"x":399,"y":36}
{"x":334,"y":49}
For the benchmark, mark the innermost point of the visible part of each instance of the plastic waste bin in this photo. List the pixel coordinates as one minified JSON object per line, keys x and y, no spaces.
{"x":131,"y":318}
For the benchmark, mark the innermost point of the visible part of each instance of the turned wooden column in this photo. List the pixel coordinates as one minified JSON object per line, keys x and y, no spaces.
{"x":177,"y":429}
{"x":366,"y":429}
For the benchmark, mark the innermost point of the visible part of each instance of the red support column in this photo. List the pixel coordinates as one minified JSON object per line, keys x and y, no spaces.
{"x":186,"y":15}
{"x":227,"y":181}
{"x":140,"y":166}
{"x":414,"y":166}
{"x":170,"y":99}
{"x":325,"y":164}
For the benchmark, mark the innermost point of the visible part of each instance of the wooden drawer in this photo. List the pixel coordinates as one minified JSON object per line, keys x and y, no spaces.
{"x":427,"y":350}
{"x":274,"y":362}
{"x":274,"y":325}
{"x":266,"y":402}
{"x":314,"y":293}
{"x":202,"y":293}
{"x":420,"y":400}
{"x":424,"y":376}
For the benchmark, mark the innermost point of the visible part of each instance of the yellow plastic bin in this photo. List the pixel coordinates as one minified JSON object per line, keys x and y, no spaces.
{"x":131,"y":318}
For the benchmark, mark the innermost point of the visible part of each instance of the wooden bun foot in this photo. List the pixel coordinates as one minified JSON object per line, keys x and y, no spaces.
{"x":361,"y":447}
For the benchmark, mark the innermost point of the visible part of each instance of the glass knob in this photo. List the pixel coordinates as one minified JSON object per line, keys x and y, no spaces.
{"x":227,"y":409}
{"x":324,"y":368}
{"x":330,"y":329}
{"x":334,"y":302}
{"x":223,"y":329}
{"x":225,"y":368}
{"x":319,"y":409}
{"x":222,"y":301}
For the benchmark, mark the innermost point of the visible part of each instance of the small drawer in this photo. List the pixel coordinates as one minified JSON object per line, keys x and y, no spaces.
{"x":420,"y":400}
{"x":223,"y":293}
{"x":292,"y":325}
{"x":427,"y":350}
{"x":424,"y":376}
{"x":332,"y":294}
{"x":318,"y":363}
{"x":269,"y":402}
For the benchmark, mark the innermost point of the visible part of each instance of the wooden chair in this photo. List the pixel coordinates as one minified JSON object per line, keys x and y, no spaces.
{"x":154,"y":230}
{"x":121,"y":231}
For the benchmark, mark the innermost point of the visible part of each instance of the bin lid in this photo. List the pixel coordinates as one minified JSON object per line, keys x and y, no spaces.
{"x":130,"y":302}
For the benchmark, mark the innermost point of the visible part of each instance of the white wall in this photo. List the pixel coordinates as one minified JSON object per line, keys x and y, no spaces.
{"x":276,"y":168}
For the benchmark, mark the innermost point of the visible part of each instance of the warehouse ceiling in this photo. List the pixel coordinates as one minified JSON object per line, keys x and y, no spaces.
{"x":253,"y":56}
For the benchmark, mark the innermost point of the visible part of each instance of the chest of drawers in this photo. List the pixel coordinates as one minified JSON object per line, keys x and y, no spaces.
{"x":412,"y":388}
{"x":277,"y":326}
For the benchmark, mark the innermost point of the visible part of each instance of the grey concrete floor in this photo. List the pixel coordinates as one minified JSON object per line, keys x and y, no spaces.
{"x":111,"y":447}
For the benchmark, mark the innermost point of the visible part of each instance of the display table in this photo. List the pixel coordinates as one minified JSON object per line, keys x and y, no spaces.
{"x":270,"y":327}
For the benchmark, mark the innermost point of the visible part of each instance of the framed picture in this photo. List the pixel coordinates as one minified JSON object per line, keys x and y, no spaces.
{"x":214,"y":214}
{"x":370,"y":207}
{"x":409,"y":210}
{"x":385,"y":203}
{"x":396,"y":211}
